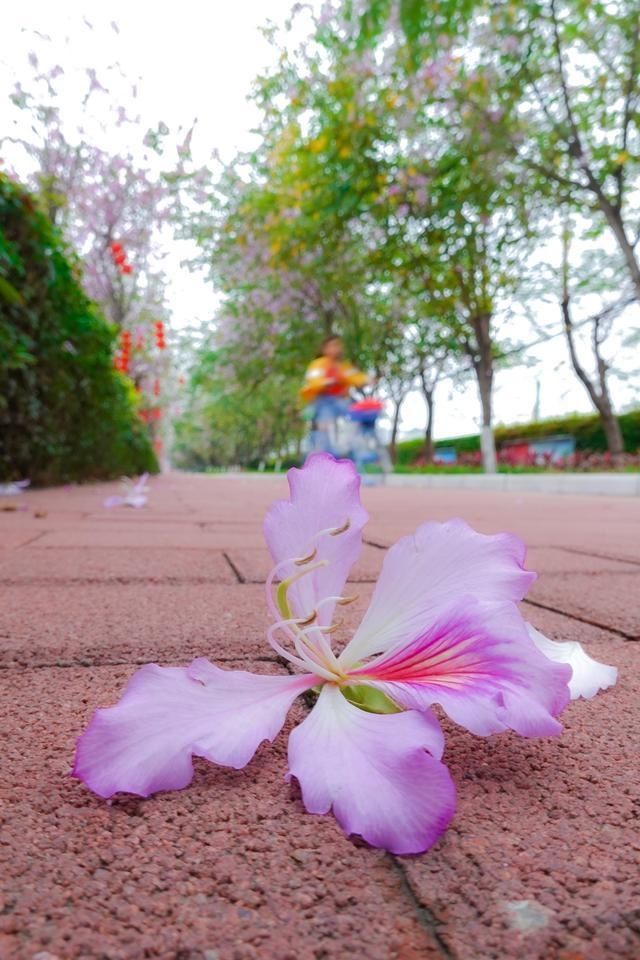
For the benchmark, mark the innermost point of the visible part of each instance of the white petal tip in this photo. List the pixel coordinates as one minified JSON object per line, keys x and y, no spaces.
{"x":589,"y":676}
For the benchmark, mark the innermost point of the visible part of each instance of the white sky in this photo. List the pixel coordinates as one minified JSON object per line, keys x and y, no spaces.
{"x":197,"y":58}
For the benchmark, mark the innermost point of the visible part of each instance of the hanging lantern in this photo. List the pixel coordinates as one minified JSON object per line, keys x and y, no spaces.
{"x":159,"y":334}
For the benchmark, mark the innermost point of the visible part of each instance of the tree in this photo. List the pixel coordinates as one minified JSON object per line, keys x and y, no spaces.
{"x":111,"y":208}
{"x":596,"y":384}
{"x":565,"y":82}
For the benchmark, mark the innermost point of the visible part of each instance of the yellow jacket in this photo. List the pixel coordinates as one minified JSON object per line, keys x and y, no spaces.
{"x":330,"y":377}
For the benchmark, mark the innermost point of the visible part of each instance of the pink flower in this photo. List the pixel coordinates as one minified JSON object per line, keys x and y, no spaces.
{"x":442,"y":628}
{"x":134,"y":494}
{"x":14,"y":488}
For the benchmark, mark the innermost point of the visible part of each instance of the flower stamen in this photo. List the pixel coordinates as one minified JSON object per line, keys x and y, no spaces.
{"x":282,"y":590}
{"x":302,"y":560}
{"x":308,"y":620}
{"x":338,"y":530}
{"x":344,"y":601}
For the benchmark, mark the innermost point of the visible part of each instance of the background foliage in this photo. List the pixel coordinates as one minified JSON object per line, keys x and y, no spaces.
{"x":65,"y":413}
{"x":425,"y":174}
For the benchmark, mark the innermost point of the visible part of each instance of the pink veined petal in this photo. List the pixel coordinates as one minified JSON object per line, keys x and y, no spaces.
{"x":324,"y":495}
{"x":374,"y":771}
{"x":588,"y":677}
{"x":168,"y":714}
{"x":426,"y":574}
{"x":479,"y":663}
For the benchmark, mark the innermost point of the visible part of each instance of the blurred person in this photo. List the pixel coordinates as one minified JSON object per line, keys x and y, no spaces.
{"x":327,"y":385}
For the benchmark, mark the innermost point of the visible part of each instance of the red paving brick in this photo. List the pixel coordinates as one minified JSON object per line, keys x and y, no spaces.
{"x":607,"y":599}
{"x":232,"y":865}
{"x":550,"y":560}
{"x":138,"y":533}
{"x":605,"y":526}
{"x":106,"y":622}
{"x":90,"y":563}
{"x":539,"y":861}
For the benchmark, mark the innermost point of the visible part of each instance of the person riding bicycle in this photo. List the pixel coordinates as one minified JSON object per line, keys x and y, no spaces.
{"x":327,"y":383}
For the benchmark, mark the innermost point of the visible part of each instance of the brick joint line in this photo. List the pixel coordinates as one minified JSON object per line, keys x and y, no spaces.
{"x":428,"y":921}
{"x":579,"y":619}
{"x":236,"y":571}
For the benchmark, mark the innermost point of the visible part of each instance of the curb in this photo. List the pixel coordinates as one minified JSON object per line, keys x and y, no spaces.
{"x":588,"y":485}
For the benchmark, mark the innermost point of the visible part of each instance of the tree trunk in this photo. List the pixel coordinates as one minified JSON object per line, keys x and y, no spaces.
{"x":613,"y":434}
{"x":483,"y":366}
{"x":428,"y":433}
{"x":395,"y":425}
{"x":601,"y":399}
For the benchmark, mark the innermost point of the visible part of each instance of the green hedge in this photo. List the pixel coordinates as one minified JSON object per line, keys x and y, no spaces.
{"x":65,"y":413}
{"x":587,"y":431}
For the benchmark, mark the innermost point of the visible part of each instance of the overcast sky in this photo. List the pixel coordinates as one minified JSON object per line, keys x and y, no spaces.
{"x":198,"y":59}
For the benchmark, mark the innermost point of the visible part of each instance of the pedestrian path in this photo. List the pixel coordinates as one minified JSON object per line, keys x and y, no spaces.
{"x":540,"y":861}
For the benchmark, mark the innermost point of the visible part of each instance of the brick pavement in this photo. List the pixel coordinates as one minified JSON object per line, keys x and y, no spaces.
{"x":540,"y":862}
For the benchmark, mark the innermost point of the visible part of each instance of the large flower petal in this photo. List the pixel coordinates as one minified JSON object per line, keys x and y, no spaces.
{"x":588,"y":675}
{"x":427,"y":573}
{"x":324,"y":495}
{"x":374,"y":771}
{"x":167,"y":714}
{"x":479,"y":663}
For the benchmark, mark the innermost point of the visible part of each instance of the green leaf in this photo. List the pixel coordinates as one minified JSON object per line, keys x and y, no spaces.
{"x":9,"y":293}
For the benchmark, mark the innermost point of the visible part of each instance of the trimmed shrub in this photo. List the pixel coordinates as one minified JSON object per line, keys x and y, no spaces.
{"x":65,"y":413}
{"x":587,"y":431}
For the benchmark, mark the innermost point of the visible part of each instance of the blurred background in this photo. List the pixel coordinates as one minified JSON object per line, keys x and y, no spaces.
{"x":192,"y":200}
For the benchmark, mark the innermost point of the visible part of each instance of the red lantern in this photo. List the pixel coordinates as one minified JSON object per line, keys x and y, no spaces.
{"x":159,"y":334}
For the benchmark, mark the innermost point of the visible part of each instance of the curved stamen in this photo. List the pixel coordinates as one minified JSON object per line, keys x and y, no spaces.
{"x":338,"y":530}
{"x":282,"y":600}
{"x":309,"y":656}
{"x":321,"y":643}
{"x":306,"y":653}
{"x":344,"y":601}
{"x":309,"y":619}
{"x":302,"y":560}
{"x":279,"y":649}
{"x":279,"y":606}
{"x":275,"y":609}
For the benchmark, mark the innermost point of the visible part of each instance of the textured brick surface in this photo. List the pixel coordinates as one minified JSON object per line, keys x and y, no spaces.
{"x":540,"y":861}
{"x":103,"y":622}
{"x":607,"y":599}
{"x":92,"y":564}
{"x":232,"y":865}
